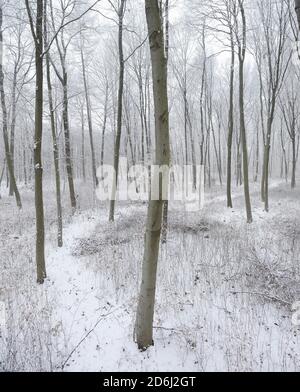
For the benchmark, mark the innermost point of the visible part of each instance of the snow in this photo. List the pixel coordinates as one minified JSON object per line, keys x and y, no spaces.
{"x":223,"y":288}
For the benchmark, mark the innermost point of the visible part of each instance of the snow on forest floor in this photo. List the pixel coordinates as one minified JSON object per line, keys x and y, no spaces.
{"x":225,"y":288}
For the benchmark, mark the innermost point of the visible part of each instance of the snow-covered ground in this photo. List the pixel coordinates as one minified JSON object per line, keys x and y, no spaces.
{"x":225,"y":288}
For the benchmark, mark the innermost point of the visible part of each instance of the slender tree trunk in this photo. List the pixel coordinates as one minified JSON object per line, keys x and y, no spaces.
{"x":83,"y":146}
{"x":257,"y":156}
{"x":9,"y":162}
{"x":13,"y":126}
{"x":2,"y":173}
{"x":230,"y":127}
{"x":145,"y":312}
{"x":120,"y":112}
{"x":267,"y":156}
{"x":90,"y":124}
{"x":104,"y":130}
{"x":218,"y":158}
{"x":54,"y":140}
{"x":68,"y":154}
{"x":242,"y":52}
{"x":38,"y":133}
{"x":293,"y":183}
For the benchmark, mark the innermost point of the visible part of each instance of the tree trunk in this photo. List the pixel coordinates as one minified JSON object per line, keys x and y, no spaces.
{"x":9,"y":162}
{"x":242,"y":52}
{"x":230,"y":127}
{"x":145,"y":311}
{"x":54,"y":141}
{"x":82,"y":147}
{"x":90,"y":124}
{"x":120,"y":112}
{"x":13,"y":126}
{"x":38,"y":133}
{"x":68,"y":158}
{"x":293,"y":183}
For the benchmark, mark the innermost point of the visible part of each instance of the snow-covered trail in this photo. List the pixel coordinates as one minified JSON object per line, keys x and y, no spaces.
{"x":72,"y":286}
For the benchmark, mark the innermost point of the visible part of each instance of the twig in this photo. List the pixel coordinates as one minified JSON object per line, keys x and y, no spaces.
{"x":270,"y":297}
{"x":84,"y":338}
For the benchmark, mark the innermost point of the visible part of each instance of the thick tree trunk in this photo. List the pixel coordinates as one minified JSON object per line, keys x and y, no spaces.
{"x":145,"y":312}
{"x":164,"y":231}
{"x":38,"y":133}
{"x":9,"y":161}
{"x":39,"y":202}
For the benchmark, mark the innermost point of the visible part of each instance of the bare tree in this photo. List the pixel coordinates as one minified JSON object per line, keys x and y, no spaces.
{"x":120,"y":12}
{"x":272,"y":71}
{"x":37,"y":34}
{"x":54,"y":137}
{"x":290,"y":112}
{"x":89,"y":114}
{"x":145,"y":311}
{"x":62,"y":48}
{"x":241,"y":42}
{"x":9,"y":159}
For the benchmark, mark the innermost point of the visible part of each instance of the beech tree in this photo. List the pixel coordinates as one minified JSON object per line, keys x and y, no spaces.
{"x":120,"y":10}
{"x":37,"y":30}
{"x":145,"y":311}
{"x":241,"y":37}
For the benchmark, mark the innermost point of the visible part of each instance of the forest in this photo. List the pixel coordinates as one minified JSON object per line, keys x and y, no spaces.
{"x":149,"y":185}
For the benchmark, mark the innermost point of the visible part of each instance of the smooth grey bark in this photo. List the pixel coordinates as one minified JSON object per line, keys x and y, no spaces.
{"x":37,"y":34}
{"x":146,"y":302}
{"x":241,"y":55}
{"x":54,"y":138}
{"x":166,"y":202}
{"x":230,"y":122}
{"x":121,"y":12}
